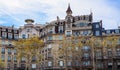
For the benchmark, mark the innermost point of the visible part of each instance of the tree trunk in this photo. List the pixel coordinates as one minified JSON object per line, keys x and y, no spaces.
{"x":93,"y":59}
{"x":66,"y":61}
{"x":26,"y":66}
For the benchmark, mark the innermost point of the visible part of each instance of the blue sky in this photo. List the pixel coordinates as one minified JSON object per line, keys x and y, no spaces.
{"x":14,"y":12}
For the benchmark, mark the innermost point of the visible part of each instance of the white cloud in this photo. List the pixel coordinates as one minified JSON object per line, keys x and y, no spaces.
{"x":22,"y":9}
{"x":2,"y":22}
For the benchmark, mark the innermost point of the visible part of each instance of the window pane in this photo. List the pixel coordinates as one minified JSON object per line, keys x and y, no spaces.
{"x":97,"y":33}
{"x":61,"y":63}
{"x":49,"y":63}
{"x":3,"y":57}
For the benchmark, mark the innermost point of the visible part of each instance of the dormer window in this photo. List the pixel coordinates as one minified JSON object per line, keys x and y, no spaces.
{"x":4,"y":35}
{"x":15,"y":36}
{"x":3,"y":29}
{"x":50,"y":31}
{"x":96,"y":26}
{"x":108,"y":31}
{"x":60,"y":29}
{"x":9,"y":30}
{"x":116,"y":31}
{"x":9,"y":36}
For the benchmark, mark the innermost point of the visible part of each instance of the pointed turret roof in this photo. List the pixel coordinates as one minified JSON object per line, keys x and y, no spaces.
{"x":69,"y":11}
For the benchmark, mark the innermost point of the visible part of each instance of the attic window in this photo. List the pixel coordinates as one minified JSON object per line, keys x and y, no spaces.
{"x":108,"y":31}
{"x":116,"y":31}
{"x":97,"y":26}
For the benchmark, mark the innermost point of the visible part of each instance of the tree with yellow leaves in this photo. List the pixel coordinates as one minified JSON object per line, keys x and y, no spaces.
{"x":101,"y":43}
{"x":65,"y":50}
{"x":29,"y":49}
{"x":2,"y":65}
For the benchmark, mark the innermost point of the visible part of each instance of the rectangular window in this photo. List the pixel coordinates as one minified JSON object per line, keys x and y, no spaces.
{"x":81,"y":24}
{"x":60,"y":38}
{"x":50,"y":38}
{"x":15,"y":65}
{"x":68,"y":33}
{"x":99,"y":64}
{"x":9,"y":43}
{"x":85,"y":32}
{"x":119,"y":41}
{"x":15,"y":51}
{"x":77,"y":63}
{"x":86,"y":55}
{"x":61,"y":63}
{"x":8,"y":66}
{"x":9,"y":51}
{"x":15,"y":59}
{"x":70,"y":56}
{"x":98,"y":54}
{"x":118,"y":51}
{"x":51,"y":31}
{"x":15,"y":31}
{"x":69,"y":63}
{"x":86,"y":63}
{"x":97,"y":33}
{"x":3,"y":51}
{"x":33,"y":66}
{"x":23,"y":36}
{"x":15,"y":36}
{"x":60,"y":29}
{"x":9,"y":36}
{"x":3,"y":57}
{"x":33,"y":58}
{"x":22,"y":65}
{"x":76,"y":48}
{"x":109,"y":53}
{"x":28,"y":30}
{"x":116,"y":31}
{"x":4,"y":34}
{"x":9,"y":58}
{"x":49,"y":55}
{"x":49,"y":63}
{"x":97,"y":26}
{"x":23,"y":59}
{"x":9,"y":30}
{"x":3,"y":29}
{"x":108,"y":31}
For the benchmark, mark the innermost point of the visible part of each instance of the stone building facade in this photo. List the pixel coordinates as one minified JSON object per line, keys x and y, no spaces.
{"x":53,"y":33}
{"x":7,"y":52}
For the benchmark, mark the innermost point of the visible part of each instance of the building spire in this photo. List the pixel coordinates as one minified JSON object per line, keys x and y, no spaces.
{"x":69,"y":11}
